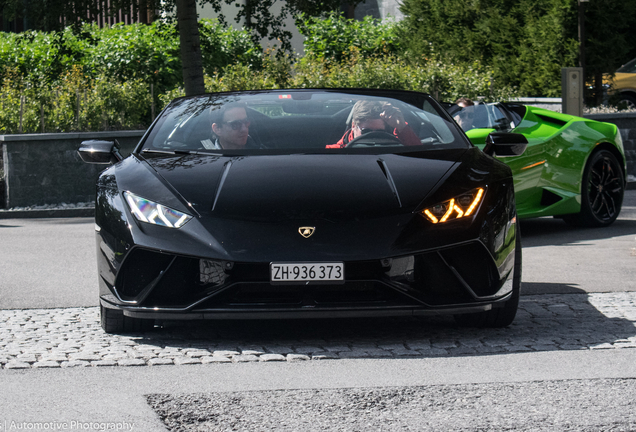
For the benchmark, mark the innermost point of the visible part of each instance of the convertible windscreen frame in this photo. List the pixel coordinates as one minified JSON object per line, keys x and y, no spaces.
{"x":299,"y":121}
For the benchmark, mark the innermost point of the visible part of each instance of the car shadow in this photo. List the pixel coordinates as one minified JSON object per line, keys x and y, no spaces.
{"x":566,"y":319}
{"x":549,"y":231}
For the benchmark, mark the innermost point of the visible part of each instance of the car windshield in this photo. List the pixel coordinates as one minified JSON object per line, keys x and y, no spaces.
{"x":304,"y":121}
{"x":488,"y":116}
{"x":629,"y":67}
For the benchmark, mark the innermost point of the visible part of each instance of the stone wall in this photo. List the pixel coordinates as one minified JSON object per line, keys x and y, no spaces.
{"x":46,"y":169}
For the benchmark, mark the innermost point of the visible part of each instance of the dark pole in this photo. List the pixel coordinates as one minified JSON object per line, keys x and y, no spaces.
{"x":582,"y":41}
{"x":582,"y":34}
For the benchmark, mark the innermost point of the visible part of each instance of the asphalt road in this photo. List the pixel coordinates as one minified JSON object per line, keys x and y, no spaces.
{"x":49,"y":263}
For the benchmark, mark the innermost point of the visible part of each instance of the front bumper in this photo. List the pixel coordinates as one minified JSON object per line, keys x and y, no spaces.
{"x":456,"y":279}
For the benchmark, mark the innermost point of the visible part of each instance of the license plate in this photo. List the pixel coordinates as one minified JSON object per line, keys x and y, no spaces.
{"x":306,"y":272}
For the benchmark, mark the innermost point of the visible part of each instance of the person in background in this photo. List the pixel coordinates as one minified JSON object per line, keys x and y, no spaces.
{"x":466,"y":115}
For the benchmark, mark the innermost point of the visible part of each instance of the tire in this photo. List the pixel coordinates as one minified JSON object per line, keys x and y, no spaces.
{"x":502,"y":316}
{"x":114,"y":321}
{"x":602,"y":189}
{"x":627,"y":101}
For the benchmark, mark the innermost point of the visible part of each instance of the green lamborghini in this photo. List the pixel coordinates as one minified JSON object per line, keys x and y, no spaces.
{"x":573,"y":168}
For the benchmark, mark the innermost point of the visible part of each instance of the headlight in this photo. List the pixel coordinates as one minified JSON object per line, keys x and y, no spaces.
{"x":153,"y":213}
{"x":462,"y":206}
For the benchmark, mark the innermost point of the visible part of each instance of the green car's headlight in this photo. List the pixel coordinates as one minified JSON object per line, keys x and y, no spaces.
{"x":154,"y":213}
{"x":462,"y":206}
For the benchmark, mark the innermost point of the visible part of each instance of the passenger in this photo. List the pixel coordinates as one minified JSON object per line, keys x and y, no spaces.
{"x":466,"y":115}
{"x":231,"y":128}
{"x":370,"y":116}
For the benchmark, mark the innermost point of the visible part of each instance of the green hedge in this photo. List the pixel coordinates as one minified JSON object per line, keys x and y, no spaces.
{"x":76,"y":103}
{"x":333,"y":37}
{"x":122,"y":52}
{"x":445,"y":82}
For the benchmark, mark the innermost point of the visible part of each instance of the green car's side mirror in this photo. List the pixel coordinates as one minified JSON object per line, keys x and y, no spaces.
{"x":505,"y":144}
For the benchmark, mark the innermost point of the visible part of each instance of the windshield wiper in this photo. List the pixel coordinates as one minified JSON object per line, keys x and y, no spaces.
{"x":177,"y":152}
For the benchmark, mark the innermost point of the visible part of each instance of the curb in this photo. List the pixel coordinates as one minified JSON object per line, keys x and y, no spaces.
{"x":48,"y":213}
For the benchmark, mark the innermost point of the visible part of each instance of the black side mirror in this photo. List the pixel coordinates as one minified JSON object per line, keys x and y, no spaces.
{"x":505,"y":144}
{"x":100,"y":152}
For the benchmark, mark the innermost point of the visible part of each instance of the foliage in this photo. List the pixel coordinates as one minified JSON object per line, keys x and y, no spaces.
{"x":137,"y":51}
{"x":76,"y":103}
{"x":525,"y":42}
{"x":276,"y":72}
{"x":446,"y":82}
{"x":222,"y":46}
{"x":42,"y":56}
{"x":263,"y":19}
{"x":610,"y":36}
{"x":122,"y":52}
{"x":333,"y":36}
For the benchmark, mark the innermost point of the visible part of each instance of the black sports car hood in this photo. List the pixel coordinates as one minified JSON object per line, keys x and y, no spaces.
{"x":300,"y":187}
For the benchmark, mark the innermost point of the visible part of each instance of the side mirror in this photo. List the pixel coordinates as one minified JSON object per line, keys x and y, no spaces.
{"x":100,"y":152}
{"x":505,"y":144}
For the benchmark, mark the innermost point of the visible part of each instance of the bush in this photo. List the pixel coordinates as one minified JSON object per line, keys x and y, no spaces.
{"x":122,"y":52}
{"x":443,"y":81}
{"x":333,"y":36}
{"x":77,"y":103}
{"x":223,"y":46}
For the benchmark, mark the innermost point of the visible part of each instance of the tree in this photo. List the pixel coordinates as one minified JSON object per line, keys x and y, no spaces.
{"x":525,"y":42}
{"x":258,"y":18}
{"x":190,"y":47}
{"x":609,"y":41}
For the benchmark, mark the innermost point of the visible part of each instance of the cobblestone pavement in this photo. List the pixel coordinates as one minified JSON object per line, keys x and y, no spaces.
{"x":72,"y":337}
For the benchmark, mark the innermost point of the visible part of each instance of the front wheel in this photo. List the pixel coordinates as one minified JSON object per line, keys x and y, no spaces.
{"x":602,"y":189}
{"x":114,"y":321}
{"x":503,"y":316}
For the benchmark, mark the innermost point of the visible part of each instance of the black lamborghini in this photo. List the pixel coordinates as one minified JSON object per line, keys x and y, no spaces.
{"x":306,"y":203}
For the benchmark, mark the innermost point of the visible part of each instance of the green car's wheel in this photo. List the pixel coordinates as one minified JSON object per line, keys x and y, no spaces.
{"x":114,"y":321}
{"x":602,"y":190}
{"x":503,"y":316}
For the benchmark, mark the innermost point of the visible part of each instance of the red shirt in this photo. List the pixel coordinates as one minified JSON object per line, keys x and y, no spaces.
{"x":406,"y":137}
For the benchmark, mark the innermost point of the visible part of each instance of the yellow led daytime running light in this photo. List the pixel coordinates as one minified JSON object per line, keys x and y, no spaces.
{"x":430,"y":216}
{"x":459,"y":211}
{"x":449,"y":212}
{"x":454,"y":209}
{"x":476,"y":201}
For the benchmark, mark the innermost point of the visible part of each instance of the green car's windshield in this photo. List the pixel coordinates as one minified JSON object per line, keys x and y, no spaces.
{"x":482,"y":116}
{"x":303,"y":120}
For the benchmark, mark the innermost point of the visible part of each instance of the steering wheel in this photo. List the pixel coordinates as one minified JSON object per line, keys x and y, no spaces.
{"x":376,"y":138}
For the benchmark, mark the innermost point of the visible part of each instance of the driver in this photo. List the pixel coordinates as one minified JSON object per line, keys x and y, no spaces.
{"x":368,"y":116}
{"x":231,"y":128}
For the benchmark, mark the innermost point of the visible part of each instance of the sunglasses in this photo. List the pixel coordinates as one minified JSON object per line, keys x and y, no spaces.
{"x":238,"y":124}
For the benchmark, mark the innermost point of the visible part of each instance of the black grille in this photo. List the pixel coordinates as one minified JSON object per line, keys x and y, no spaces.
{"x":353,"y":294}
{"x":435,"y":278}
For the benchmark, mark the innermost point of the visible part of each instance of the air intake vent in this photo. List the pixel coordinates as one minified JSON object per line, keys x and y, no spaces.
{"x":548,"y":198}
